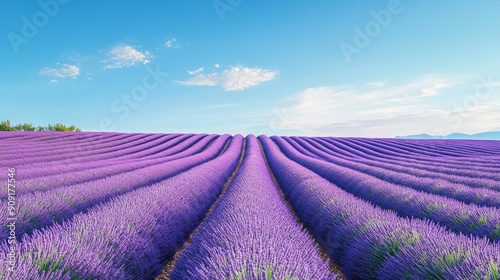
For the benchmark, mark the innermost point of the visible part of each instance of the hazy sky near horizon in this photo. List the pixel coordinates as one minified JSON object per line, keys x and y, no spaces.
{"x":328,"y":68}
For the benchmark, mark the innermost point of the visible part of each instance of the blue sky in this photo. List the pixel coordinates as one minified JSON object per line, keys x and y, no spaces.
{"x":337,"y":68}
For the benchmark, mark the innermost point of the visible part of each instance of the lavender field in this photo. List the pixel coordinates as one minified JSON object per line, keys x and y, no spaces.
{"x":197,"y":206}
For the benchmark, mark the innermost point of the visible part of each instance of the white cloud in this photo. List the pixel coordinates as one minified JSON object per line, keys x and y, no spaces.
{"x":239,"y":78}
{"x":194,"y":72}
{"x":171,"y":43}
{"x":232,"y":79}
{"x":211,"y":107}
{"x":217,"y":65}
{"x":424,"y":105}
{"x":66,"y":71}
{"x":210,"y":80}
{"x":423,"y":88}
{"x":220,"y":106}
{"x":126,"y":56}
{"x":377,"y":83}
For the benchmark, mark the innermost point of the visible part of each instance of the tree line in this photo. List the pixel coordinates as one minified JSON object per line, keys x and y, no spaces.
{"x":7,"y":126}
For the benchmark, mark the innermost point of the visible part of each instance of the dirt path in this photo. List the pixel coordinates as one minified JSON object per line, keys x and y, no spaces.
{"x":334,"y":267}
{"x":167,"y":269}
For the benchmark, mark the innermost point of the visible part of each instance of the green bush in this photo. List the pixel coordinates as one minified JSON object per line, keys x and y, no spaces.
{"x":7,"y":126}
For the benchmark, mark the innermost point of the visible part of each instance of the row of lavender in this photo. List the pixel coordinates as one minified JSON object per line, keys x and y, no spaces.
{"x":187,"y":147}
{"x":53,"y":200}
{"x":56,"y":264}
{"x":131,"y":235}
{"x":405,"y":200}
{"x":250,"y":234}
{"x":373,"y":245}
{"x":388,"y":251}
{"x":438,"y":184}
{"x":42,"y":208}
{"x":369,"y":242}
{"x":78,"y":252}
{"x":376,"y":156}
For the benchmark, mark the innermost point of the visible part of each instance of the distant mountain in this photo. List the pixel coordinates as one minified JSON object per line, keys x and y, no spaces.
{"x":491,"y":135}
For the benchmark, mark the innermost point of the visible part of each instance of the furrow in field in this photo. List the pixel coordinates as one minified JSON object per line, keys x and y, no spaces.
{"x":437,"y":160}
{"x":335,"y":268}
{"x":372,"y":243}
{"x":31,"y":150}
{"x":113,"y":157}
{"x":50,"y":183}
{"x":47,"y":138}
{"x":171,"y":262}
{"x":130,"y":236}
{"x":409,"y":151}
{"x":458,"y":144}
{"x":407,"y":202}
{"x":80,"y":163}
{"x":440,"y":186}
{"x":37,"y":210}
{"x":379,"y":152}
{"x":39,"y":143}
{"x":166,"y":147}
{"x":82,"y":150}
{"x":251,"y":234}
{"x":480,"y":146}
{"x":426,"y":167}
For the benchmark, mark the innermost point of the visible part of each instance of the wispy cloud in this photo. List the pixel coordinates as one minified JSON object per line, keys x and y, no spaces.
{"x":411,"y":108}
{"x":425,"y":87}
{"x":197,"y":71}
{"x":172,"y":43}
{"x":65,"y":71}
{"x":220,"y":106}
{"x":231,"y":79}
{"x":211,"y":107}
{"x":125,"y":56}
{"x":209,"y":80}
{"x":377,"y":83}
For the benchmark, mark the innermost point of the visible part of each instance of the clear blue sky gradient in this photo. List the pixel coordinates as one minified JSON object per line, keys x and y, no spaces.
{"x":422,"y":71}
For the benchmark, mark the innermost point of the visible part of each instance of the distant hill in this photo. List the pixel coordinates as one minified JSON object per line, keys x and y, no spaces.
{"x":491,"y":135}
